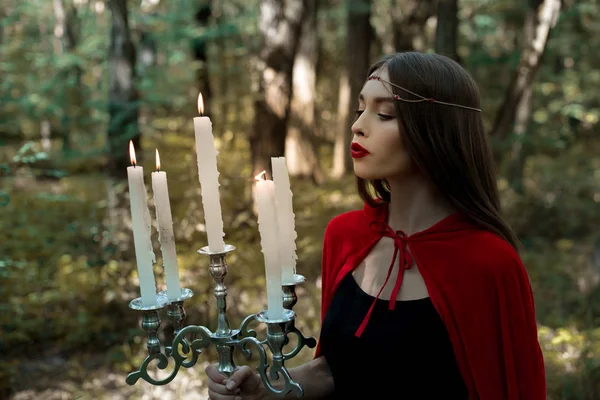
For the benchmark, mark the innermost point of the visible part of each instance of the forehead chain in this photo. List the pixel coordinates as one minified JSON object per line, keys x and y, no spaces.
{"x":420,"y":98}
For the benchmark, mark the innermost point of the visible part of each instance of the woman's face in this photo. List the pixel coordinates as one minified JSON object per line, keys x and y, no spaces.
{"x":376,"y":129}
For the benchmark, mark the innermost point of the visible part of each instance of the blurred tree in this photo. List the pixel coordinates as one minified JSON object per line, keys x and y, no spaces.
{"x":65,"y":34}
{"x":523,"y":111}
{"x":408,"y":23}
{"x":547,"y":12}
{"x":300,"y":148}
{"x":64,"y":239}
{"x":200,"y":45}
{"x":123,"y":99}
{"x":148,"y":46}
{"x":359,"y":35}
{"x":280,"y":24}
{"x":2,"y":16}
{"x":446,"y":31}
{"x":45,"y":124}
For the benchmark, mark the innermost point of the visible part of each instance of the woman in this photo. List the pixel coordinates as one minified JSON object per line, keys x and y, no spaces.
{"x":424,"y":293}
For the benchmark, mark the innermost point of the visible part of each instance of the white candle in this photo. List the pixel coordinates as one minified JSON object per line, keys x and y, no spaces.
{"x":285,"y":216}
{"x":209,"y":179}
{"x":166,"y":237}
{"x":269,"y":234}
{"x":140,"y":219}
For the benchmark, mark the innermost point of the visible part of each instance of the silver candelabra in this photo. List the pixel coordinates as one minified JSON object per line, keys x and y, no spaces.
{"x":190,"y":340}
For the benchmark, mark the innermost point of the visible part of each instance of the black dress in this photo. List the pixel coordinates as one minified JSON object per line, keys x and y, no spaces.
{"x":402,"y":354}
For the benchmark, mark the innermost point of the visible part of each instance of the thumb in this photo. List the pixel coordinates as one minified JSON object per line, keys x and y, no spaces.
{"x":238,"y":378}
{"x":214,"y":374}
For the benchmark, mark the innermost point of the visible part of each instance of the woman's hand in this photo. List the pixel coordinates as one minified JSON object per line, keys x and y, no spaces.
{"x":244,"y":384}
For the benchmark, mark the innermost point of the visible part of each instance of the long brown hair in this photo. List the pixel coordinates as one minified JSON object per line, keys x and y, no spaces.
{"x":448,"y":144}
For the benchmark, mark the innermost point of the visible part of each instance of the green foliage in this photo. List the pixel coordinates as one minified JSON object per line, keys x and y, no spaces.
{"x":67,"y":267}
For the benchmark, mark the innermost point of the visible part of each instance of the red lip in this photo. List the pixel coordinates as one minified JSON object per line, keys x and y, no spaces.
{"x":358,"y":151}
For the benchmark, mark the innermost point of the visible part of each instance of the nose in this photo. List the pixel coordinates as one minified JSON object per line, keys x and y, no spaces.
{"x":358,"y":126}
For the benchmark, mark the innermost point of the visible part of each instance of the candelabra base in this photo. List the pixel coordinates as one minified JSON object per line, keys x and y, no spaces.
{"x":184,"y":352}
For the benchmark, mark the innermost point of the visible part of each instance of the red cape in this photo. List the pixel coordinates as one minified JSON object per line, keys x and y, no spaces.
{"x":478,"y":285}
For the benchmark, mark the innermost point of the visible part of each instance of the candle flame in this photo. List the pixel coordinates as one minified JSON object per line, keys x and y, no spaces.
{"x":261,"y":176}
{"x":157,"y":161}
{"x":131,"y":153}
{"x":200,"y":104}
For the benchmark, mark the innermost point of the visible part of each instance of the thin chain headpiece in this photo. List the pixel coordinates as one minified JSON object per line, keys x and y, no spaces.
{"x":420,"y":98}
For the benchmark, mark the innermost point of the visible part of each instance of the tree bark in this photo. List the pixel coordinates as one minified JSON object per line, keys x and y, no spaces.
{"x":45,"y":133}
{"x":63,"y":27}
{"x":123,"y":102}
{"x":301,"y":150}
{"x":200,"y":44}
{"x":358,"y":44}
{"x":2,"y":16}
{"x":409,"y":19}
{"x":340,"y":145}
{"x":523,"y":113}
{"x":45,"y":126}
{"x":446,"y":32}
{"x":147,"y":44}
{"x":531,"y":56}
{"x":280,"y":24}
{"x":65,"y":35}
{"x":221,"y":79}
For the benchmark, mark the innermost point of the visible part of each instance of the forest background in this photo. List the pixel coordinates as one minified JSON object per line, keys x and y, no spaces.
{"x":80,"y":78}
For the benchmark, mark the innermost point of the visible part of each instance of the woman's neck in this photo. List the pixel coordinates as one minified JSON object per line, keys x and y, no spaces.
{"x":415,"y":205}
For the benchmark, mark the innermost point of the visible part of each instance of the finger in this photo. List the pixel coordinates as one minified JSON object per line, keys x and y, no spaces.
{"x":213,"y":373}
{"x":217,"y":396}
{"x":238,"y":377}
{"x":221,"y":389}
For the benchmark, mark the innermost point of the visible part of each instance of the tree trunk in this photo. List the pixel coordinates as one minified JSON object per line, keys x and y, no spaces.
{"x":358,"y":43}
{"x":65,"y":36}
{"x":409,"y":19}
{"x":123,"y":107}
{"x":2,"y":16}
{"x":45,"y":125}
{"x":531,"y":56}
{"x":200,"y":44}
{"x":340,"y":146}
{"x":147,"y":44}
{"x":446,"y":32}
{"x":45,"y":131}
{"x":280,"y":24}
{"x":522,"y":114}
{"x":301,"y":150}
{"x":221,"y":79}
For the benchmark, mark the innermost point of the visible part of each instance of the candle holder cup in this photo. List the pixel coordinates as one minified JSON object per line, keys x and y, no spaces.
{"x":184,"y":352}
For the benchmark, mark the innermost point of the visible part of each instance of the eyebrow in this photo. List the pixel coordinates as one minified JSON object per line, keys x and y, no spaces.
{"x":385,"y":99}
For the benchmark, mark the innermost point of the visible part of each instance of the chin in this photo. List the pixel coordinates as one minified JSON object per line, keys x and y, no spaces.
{"x":371,"y":173}
{"x":366,"y":173}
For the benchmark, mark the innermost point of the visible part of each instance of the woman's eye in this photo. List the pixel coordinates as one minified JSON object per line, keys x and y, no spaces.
{"x":385,"y":117}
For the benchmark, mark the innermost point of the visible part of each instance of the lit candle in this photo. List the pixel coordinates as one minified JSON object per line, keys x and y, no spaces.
{"x":140,"y":219}
{"x":269,"y":234}
{"x":166,"y":237}
{"x":209,"y":179}
{"x":285,"y":216}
